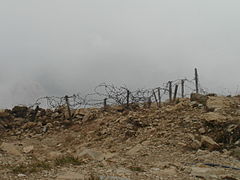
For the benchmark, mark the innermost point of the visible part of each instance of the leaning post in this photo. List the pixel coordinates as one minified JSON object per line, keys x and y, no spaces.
{"x":175,"y":93}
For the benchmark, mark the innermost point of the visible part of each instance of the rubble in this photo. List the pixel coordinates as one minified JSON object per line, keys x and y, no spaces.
{"x":175,"y":141}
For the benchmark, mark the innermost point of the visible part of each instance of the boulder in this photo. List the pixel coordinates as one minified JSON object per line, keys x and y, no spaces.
{"x":209,"y":143}
{"x":20,"y":111}
{"x":202,"y":99}
{"x":219,"y":103}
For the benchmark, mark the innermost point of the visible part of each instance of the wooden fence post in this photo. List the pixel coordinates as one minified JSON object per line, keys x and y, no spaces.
{"x":155,"y":97}
{"x":159,"y":97}
{"x":196,"y":81}
{"x":128,"y":96}
{"x":149,"y":102}
{"x":182,"y":84}
{"x":170,"y":91}
{"x":105,"y":103}
{"x":68,"y":107}
{"x":175,"y":93}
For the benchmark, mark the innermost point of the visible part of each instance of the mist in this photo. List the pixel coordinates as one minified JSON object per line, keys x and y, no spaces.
{"x":61,"y":47}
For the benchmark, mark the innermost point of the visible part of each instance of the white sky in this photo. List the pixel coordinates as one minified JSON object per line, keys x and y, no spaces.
{"x":55,"y":47}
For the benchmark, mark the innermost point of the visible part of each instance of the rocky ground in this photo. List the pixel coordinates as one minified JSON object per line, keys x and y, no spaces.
{"x":197,"y":138}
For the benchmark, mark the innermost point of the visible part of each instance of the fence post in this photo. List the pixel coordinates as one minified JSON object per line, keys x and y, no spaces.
{"x":128,"y":96}
{"x":149,"y":102}
{"x":175,"y":93}
{"x":159,"y":97}
{"x":105,"y":103}
{"x":170,"y":91}
{"x":182,"y":84}
{"x":155,"y":97}
{"x":68,"y":107}
{"x":196,"y":80}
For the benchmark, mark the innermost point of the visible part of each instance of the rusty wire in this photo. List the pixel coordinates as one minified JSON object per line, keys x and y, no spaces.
{"x":115,"y":95}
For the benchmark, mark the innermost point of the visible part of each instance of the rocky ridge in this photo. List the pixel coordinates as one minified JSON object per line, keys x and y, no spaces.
{"x":192,"y":138}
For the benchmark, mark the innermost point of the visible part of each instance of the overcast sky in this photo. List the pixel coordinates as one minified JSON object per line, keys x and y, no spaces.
{"x":58,"y":47}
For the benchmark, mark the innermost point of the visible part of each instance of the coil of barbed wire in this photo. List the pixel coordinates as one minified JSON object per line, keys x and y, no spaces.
{"x":116,"y":95}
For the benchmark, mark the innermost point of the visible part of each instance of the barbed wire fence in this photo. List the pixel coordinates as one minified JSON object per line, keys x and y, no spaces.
{"x":109,"y":94}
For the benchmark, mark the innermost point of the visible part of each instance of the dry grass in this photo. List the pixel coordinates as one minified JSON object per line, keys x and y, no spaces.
{"x":136,"y":168}
{"x":31,"y":168}
{"x":67,"y":160}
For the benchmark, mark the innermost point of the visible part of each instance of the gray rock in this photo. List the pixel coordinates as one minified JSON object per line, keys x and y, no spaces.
{"x":199,"y":98}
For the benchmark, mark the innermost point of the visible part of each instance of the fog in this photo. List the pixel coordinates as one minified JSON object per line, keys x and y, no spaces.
{"x":58,"y":47}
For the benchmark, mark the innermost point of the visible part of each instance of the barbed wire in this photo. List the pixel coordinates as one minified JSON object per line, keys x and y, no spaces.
{"x":115,"y":95}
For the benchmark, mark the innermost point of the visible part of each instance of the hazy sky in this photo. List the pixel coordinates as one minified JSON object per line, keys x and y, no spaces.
{"x":55,"y":47}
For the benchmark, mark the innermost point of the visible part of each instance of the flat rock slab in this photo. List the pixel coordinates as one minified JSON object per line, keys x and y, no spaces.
{"x":220,"y":102}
